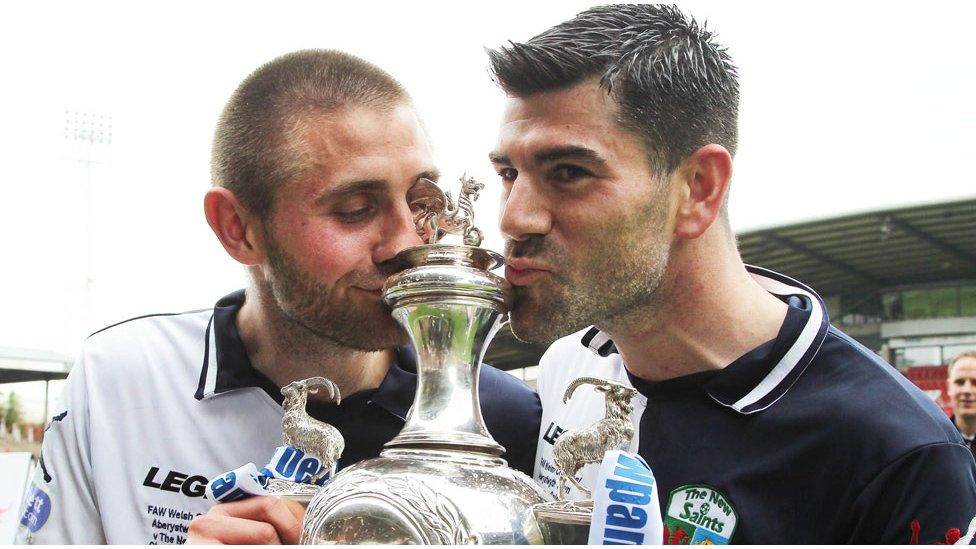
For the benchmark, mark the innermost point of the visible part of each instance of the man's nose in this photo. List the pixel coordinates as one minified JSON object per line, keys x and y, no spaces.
{"x":525,"y":211}
{"x":399,"y":233}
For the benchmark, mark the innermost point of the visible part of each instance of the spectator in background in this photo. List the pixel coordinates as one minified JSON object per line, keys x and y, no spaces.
{"x":962,"y":395}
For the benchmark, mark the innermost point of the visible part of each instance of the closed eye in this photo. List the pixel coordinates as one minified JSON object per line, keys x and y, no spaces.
{"x":357,"y":215}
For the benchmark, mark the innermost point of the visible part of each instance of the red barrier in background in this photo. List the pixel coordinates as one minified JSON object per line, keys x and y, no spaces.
{"x":932,"y":380}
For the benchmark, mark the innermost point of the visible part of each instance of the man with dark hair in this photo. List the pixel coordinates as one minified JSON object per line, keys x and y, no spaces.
{"x":962,"y":395}
{"x":317,"y":157}
{"x":761,"y":422}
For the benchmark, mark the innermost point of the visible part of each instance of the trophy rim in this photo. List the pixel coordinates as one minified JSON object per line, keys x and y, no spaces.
{"x":295,"y":491}
{"x":451,"y":254}
{"x":565,"y":511}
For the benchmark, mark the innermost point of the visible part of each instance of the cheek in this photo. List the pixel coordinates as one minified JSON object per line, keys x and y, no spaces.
{"x":581,"y":233}
{"x":597,"y":230}
{"x":330,"y":252}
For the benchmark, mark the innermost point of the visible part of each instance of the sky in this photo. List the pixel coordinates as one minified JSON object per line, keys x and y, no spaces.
{"x":845,"y":107}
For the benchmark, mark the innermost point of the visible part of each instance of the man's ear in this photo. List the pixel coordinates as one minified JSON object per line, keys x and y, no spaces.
{"x":236,"y":228}
{"x":703,"y":180}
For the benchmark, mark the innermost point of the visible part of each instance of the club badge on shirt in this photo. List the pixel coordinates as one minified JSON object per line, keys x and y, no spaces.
{"x":698,"y":514}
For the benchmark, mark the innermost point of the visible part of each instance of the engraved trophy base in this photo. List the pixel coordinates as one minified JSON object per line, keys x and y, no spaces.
{"x":427,"y":498}
{"x":564,"y":522}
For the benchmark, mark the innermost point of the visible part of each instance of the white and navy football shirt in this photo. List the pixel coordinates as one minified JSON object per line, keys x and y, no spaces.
{"x":156,"y":406}
{"x":809,"y":438}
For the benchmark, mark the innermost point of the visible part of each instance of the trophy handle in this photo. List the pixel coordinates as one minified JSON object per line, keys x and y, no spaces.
{"x":589,"y":443}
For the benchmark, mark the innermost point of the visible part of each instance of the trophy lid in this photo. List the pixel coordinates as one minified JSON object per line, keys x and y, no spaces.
{"x":445,"y":271}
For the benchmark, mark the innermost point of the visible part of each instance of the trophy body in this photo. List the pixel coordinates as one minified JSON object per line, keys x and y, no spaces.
{"x":407,"y":497}
{"x":441,"y":480}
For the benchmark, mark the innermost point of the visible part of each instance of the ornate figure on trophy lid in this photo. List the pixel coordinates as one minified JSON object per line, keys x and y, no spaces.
{"x":441,"y":480}
{"x":441,"y":216}
{"x":565,"y":521}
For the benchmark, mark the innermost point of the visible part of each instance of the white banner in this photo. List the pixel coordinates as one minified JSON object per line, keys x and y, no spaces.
{"x":287,"y":463}
{"x":626,"y":510}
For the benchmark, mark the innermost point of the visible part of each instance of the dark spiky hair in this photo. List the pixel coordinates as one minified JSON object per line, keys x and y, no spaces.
{"x":674,"y":85}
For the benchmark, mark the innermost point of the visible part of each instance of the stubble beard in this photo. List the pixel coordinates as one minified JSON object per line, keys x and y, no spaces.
{"x":962,"y":411}
{"x":318,"y":308}
{"x":612,"y":280}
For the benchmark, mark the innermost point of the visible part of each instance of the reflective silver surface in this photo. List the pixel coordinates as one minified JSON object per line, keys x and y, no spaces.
{"x":314,"y":437}
{"x":565,"y":522}
{"x":295,"y":491}
{"x":425,"y":497}
{"x":589,"y":443}
{"x":451,"y":309}
{"x":442,"y":216}
{"x":299,"y":430}
{"x":440,"y":481}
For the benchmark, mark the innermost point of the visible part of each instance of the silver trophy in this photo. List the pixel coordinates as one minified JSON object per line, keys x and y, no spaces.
{"x":314,"y":437}
{"x":441,"y":480}
{"x":566,"y":522}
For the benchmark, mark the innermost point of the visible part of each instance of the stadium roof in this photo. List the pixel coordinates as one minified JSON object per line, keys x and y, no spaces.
{"x":17,"y":365}
{"x":870,"y":251}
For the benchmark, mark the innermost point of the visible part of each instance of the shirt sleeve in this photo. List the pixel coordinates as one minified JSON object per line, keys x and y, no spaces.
{"x":512,"y":413}
{"x":60,"y":507}
{"x":927,"y":496}
{"x":521,"y":456}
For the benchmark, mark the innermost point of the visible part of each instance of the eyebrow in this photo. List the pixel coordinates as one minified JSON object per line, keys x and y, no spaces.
{"x":351,"y":187}
{"x":552,"y":154}
{"x":499,"y":158}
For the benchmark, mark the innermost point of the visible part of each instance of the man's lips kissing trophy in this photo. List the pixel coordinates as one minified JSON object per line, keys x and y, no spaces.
{"x":441,"y":480}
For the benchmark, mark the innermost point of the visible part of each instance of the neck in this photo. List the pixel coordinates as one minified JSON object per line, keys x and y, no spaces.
{"x":285,"y":351}
{"x":966,"y":424}
{"x":710,"y":312}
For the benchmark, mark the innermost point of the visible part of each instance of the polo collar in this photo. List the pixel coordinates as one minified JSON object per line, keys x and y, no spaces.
{"x":226,"y":366}
{"x":761,"y":377}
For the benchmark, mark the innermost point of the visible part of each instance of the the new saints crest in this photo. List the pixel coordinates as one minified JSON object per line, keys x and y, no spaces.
{"x":698,"y":515}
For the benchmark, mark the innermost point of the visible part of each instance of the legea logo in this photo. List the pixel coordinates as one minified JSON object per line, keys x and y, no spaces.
{"x":193,"y":486}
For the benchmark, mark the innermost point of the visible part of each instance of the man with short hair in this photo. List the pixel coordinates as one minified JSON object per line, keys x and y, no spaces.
{"x":761,"y":422}
{"x":317,"y":157}
{"x":962,"y":395}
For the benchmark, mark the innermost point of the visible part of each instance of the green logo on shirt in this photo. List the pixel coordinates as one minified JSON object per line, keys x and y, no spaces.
{"x":698,"y":515}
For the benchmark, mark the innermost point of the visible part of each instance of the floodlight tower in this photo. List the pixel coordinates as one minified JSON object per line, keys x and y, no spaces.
{"x":88,"y":135}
